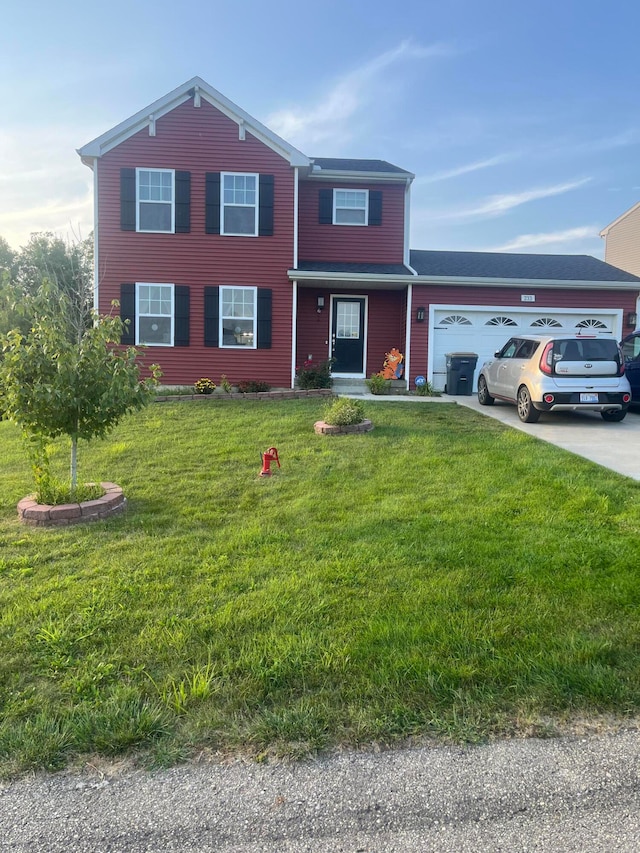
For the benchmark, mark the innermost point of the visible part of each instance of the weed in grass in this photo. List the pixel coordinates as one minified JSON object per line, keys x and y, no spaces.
{"x":42,"y":742}
{"x":180,"y":695}
{"x":122,"y":721}
{"x":295,"y":731}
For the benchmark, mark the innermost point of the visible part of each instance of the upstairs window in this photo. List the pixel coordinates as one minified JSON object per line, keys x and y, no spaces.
{"x":155,"y":194}
{"x":239,"y":204}
{"x":350,"y":207}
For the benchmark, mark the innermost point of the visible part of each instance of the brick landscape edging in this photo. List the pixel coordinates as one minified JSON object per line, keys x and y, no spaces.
{"x":293,"y":394}
{"x":42,"y":515}
{"x":323,"y":428}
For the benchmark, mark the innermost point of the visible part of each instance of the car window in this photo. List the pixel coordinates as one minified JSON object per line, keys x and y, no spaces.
{"x":631,"y":349}
{"x":587,"y":349}
{"x":526,"y":349}
{"x":509,"y":349}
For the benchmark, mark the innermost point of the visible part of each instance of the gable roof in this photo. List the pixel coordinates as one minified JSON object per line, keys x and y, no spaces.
{"x":505,"y":265}
{"x":195,"y":88}
{"x":622,"y":216}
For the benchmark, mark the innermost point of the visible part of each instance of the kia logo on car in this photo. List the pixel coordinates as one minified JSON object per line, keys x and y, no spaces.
{"x":588,"y":365}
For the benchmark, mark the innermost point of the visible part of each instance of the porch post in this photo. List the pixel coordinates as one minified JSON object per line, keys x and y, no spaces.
{"x":407,"y":343}
{"x":294,"y":332}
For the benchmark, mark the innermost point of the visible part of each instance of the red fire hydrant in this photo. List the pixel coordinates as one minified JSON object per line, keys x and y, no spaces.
{"x":271,"y":455}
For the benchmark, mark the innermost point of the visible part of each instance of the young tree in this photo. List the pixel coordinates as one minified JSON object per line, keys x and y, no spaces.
{"x":66,"y":378}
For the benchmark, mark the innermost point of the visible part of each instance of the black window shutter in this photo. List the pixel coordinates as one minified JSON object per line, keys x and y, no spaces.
{"x":212,"y":204}
{"x":128,"y":312}
{"x":211,"y":316}
{"x":325,"y":208}
{"x":375,"y":207}
{"x":181,"y":319}
{"x":127,"y":199}
{"x":265,"y":214}
{"x":183,"y":202}
{"x":264,"y":317}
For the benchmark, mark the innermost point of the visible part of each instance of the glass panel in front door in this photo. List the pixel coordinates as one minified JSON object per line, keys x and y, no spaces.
{"x":348,"y":320}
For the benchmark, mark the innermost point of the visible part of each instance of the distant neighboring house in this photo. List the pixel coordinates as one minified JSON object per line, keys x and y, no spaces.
{"x":232,"y":252}
{"x":622,"y":241}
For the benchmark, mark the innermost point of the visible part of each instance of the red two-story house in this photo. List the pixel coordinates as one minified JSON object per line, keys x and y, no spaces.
{"x":231,"y":252}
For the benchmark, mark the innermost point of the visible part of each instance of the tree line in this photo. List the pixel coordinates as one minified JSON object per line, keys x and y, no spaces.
{"x":68,"y":267}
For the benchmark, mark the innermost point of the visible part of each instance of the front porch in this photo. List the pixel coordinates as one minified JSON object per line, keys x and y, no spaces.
{"x":353,"y":328}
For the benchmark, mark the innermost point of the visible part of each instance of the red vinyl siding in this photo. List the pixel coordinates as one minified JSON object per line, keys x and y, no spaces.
{"x":385,"y":325}
{"x":201,"y":140}
{"x":426,"y":295}
{"x":375,"y":244}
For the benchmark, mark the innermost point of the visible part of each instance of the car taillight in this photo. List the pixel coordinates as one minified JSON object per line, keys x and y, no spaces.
{"x":626,"y":398}
{"x":620,"y":362}
{"x":549,"y":398}
{"x":546,"y":359}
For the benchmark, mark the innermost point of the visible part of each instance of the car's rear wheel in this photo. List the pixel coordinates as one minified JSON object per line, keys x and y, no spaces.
{"x":614,"y":417}
{"x":484,"y":397}
{"x":526,"y":412}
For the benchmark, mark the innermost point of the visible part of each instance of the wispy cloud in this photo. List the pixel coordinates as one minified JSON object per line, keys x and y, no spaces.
{"x":308,"y":126}
{"x":497,"y":205}
{"x":465,"y":169}
{"x":551,"y":238}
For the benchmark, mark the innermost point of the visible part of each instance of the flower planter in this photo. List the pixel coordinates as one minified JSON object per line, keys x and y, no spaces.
{"x":323,"y":428}
{"x":42,"y":515}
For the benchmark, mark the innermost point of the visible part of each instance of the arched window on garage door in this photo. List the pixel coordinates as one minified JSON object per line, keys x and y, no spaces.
{"x":501,"y":321}
{"x":546,"y":323}
{"x":455,"y":320}
{"x":591,"y":323}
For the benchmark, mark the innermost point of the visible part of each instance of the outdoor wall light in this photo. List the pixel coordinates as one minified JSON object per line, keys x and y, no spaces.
{"x":320,"y":303}
{"x":632,"y":319}
{"x":419,"y":315}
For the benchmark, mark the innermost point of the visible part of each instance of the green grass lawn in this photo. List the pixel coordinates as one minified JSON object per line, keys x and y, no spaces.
{"x":442,"y":575}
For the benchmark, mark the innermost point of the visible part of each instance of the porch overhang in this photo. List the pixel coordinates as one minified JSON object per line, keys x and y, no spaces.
{"x":351,"y":275}
{"x":309,"y":277}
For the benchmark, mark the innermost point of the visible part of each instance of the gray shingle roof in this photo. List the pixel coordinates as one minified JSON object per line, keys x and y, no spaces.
{"x":367,"y":269}
{"x":339,"y":164}
{"x":496,"y":265}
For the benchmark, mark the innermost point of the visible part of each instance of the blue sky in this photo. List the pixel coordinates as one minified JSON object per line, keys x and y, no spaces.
{"x":520,"y":120}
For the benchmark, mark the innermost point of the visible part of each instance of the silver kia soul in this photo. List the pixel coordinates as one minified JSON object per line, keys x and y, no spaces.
{"x":552,"y":373}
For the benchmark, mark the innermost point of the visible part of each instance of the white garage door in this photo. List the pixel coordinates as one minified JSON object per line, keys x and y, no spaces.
{"x":463,"y":328}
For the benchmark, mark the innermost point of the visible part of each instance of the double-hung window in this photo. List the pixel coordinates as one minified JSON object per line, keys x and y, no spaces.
{"x":239,"y":204}
{"x":350,"y":207}
{"x":154,"y":314}
{"x":155,"y":196}
{"x":238,"y":316}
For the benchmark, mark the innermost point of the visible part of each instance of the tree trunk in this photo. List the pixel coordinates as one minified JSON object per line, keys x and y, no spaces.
{"x":74,"y":461}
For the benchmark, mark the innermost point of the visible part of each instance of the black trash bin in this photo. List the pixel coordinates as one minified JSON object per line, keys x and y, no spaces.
{"x":460,"y":369}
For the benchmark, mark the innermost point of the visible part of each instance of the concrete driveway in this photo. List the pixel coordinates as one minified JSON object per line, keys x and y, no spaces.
{"x":615,"y":446}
